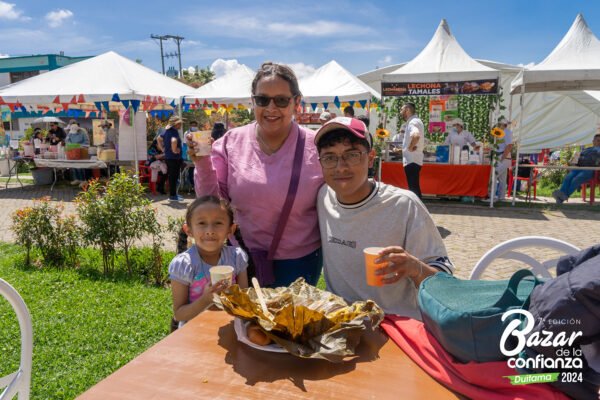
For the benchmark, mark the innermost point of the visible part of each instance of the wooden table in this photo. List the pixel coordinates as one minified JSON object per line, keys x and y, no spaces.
{"x":442,"y":179}
{"x":204,"y":360}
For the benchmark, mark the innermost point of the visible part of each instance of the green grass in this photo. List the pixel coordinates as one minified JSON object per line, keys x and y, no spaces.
{"x":84,"y":327}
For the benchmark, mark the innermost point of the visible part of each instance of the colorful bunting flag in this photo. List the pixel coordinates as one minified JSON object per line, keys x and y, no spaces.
{"x":336,"y":101}
{"x":56,"y":100}
{"x":74,"y":100}
{"x":314,"y":106}
{"x":135,"y":104}
{"x":363,"y":103}
{"x":125,"y":103}
{"x":81,"y":99}
{"x":115,"y":98}
{"x":325,"y":105}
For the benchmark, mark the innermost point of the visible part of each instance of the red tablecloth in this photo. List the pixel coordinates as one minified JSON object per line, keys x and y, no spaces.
{"x":442,"y":179}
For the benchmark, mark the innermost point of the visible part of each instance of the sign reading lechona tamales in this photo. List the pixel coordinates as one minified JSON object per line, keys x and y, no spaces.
{"x":483,"y":86}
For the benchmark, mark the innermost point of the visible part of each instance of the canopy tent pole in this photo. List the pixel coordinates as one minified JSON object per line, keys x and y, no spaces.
{"x":520,"y":127}
{"x":493,"y":172}
{"x":135,"y":153}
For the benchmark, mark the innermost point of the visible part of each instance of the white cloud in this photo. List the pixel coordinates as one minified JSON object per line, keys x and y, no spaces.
{"x":260,"y":28}
{"x":8,"y":11}
{"x":4,"y":55}
{"x":57,"y":18}
{"x":223,"y":67}
{"x":527,"y":66}
{"x":385,"y":61}
{"x":302,"y":70}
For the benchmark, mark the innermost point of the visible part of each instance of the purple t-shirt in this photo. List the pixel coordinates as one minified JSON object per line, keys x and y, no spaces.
{"x":257,"y":184}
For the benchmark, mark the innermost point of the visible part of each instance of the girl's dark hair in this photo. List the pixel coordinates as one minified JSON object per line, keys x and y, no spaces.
{"x":182,"y":243}
{"x":224,"y":204}
{"x":280,"y":70}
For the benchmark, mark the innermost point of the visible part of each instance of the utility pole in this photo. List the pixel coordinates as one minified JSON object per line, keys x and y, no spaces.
{"x":178,"y":40}
{"x":162,"y":57}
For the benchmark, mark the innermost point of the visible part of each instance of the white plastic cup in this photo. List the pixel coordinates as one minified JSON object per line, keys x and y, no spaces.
{"x":202,"y":141}
{"x":221,"y":272}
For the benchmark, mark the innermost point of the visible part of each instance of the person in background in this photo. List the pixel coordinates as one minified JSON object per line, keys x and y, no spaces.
{"x":460,"y":137}
{"x":110,"y":135}
{"x":412,"y":147}
{"x":349,"y":112}
{"x":56,"y":134}
{"x":218,"y":130}
{"x":575,"y":178}
{"x":171,"y":147}
{"x":356,"y":212}
{"x":193,"y":127}
{"x":78,"y":136}
{"x":365,"y":120}
{"x":156,"y":162}
{"x":252,"y":166}
{"x":504,"y":157}
{"x":324,"y":117}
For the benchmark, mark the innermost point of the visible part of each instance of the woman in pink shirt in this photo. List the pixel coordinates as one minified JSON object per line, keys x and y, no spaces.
{"x":252,"y":167}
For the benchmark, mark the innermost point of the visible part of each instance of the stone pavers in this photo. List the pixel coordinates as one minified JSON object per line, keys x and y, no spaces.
{"x":469,"y":230}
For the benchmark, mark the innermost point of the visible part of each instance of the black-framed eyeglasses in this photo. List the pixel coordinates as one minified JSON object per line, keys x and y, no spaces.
{"x":280,"y":101}
{"x":350,"y":158}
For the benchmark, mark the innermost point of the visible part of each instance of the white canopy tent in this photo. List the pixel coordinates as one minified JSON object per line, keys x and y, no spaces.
{"x":97,"y":79}
{"x":109,"y":78}
{"x":562,"y":105}
{"x":233,"y":88}
{"x":574,"y":64}
{"x":571,"y":68}
{"x":331,"y":81}
{"x":443,"y":59}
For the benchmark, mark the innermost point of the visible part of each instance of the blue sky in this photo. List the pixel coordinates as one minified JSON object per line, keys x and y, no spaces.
{"x":360,"y":35}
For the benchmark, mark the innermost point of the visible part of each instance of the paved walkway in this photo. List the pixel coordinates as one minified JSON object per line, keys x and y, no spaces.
{"x":468,"y":230}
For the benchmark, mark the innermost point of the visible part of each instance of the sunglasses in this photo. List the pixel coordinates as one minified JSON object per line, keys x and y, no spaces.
{"x":280,"y":101}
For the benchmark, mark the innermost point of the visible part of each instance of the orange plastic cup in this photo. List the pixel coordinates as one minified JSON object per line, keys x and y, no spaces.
{"x":371,"y":253}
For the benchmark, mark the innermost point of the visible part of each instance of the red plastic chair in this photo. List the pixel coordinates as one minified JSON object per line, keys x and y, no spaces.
{"x":145,"y":176}
{"x":531,"y":181}
{"x":592,"y":184}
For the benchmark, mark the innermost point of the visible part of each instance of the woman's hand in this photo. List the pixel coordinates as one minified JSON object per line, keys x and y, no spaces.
{"x":400,"y":265}
{"x":189,"y":139}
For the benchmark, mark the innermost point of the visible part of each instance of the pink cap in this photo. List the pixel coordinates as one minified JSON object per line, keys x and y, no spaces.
{"x":353,"y":125}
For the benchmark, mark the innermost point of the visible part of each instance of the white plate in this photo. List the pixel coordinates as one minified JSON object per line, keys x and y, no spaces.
{"x":240,"y":330}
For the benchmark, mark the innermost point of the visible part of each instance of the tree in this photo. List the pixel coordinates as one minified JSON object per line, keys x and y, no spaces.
{"x":198,"y":78}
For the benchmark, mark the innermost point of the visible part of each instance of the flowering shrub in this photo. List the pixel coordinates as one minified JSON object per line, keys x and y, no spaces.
{"x":115,"y":216}
{"x":43,"y":227}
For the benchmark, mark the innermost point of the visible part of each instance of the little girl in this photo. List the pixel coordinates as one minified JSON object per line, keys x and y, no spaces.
{"x":209,"y":220}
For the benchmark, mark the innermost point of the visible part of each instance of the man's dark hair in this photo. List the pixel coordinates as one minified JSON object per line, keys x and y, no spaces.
{"x":366,"y":120}
{"x":280,"y":70}
{"x":349,"y":110}
{"x":411,"y":107}
{"x":193,"y":122}
{"x":340,"y":136}
{"x":596,"y":135}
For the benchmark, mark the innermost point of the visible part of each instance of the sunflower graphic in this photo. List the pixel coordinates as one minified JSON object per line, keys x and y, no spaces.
{"x":497,"y":133}
{"x":382,"y":133}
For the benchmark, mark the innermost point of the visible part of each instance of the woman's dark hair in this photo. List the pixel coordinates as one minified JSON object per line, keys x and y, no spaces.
{"x":218,"y":130}
{"x":280,"y":70}
{"x":182,"y":242}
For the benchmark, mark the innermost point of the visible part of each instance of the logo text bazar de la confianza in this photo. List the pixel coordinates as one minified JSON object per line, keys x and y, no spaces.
{"x":566,"y":358}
